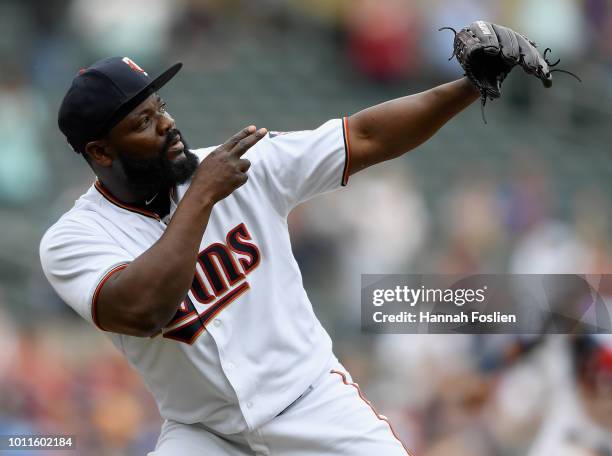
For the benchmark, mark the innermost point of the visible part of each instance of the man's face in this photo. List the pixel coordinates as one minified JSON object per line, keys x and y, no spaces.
{"x":150,"y":152}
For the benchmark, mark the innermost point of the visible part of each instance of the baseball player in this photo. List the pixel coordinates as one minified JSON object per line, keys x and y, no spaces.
{"x":183,"y":258}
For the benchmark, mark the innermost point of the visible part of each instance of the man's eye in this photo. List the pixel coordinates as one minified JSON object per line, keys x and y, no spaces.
{"x":162,"y":107}
{"x":144,"y":122}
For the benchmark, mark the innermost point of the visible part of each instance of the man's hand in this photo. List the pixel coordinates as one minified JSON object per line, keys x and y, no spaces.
{"x":223,"y":171}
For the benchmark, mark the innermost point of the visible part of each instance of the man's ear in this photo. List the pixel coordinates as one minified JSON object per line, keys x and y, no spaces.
{"x":99,"y":153}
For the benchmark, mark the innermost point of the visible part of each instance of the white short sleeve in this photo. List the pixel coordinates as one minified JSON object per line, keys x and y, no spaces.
{"x":77,"y":260}
{"x":302,"y":164}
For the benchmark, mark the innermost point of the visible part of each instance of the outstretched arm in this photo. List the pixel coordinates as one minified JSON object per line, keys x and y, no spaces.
{"x":393,"y":128}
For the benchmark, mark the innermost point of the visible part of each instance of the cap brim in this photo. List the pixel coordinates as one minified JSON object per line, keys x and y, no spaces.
{"x":163,"y":78}
{"x":141,"y":96}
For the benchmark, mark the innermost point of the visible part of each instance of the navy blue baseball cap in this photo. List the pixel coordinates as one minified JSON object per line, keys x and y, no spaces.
{"x":103,"y":94}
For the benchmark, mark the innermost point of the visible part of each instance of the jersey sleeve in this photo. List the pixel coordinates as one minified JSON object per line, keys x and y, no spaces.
{"x":300,"y":165}
{"x":77,"y":260}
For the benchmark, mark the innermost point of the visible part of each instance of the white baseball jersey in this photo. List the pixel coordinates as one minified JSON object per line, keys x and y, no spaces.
{"x":245,"y":343}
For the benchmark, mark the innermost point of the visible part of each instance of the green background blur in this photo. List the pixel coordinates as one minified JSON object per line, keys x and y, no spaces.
{"x":530,"y":192}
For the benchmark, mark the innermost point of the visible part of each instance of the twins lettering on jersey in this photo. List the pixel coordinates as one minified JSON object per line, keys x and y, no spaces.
{"x":219,"y":279}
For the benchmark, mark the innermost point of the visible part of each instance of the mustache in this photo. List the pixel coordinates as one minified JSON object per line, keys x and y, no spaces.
{"x":170,"y":138}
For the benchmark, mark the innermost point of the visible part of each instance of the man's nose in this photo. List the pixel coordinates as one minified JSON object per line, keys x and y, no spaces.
{"x":165,"y":124}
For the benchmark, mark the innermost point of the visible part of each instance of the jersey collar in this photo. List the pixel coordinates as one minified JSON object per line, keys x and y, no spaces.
{"x":109,"y":196}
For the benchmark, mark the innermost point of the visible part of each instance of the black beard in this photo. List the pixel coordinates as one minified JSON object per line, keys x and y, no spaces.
{"x":147,"y":177}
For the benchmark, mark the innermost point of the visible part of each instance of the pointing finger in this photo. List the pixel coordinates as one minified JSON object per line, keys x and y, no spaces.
{"x":245,"y":132}
{"x":246,"y":143}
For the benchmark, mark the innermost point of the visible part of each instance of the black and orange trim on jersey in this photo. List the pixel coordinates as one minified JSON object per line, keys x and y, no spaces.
{"x":109,"y":196}
{"x":369,"y":404}
{"x":347,"y":151}
{"x":94,"y":299}
{"x":224,"y":302}
{"x":191,"y":330}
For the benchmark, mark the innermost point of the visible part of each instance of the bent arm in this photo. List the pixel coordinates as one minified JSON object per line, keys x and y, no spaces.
{"x":143,"y":297}
{"x":390,"y":129}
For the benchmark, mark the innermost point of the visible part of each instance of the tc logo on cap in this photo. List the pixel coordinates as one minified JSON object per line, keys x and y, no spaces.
{"x":133,"y":65}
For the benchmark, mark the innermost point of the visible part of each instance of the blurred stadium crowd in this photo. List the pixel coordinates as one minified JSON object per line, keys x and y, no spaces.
{"x":530,"y":192}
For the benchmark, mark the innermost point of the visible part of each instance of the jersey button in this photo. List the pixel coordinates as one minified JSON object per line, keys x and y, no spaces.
{"x":249,"y":404}
{"x":230,"y":366}
{"x":217,"y":323}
